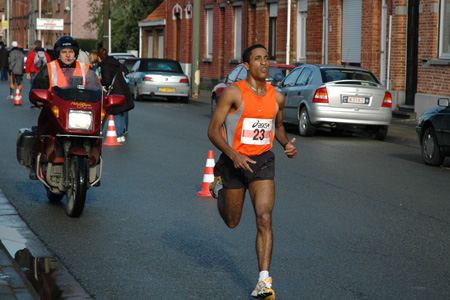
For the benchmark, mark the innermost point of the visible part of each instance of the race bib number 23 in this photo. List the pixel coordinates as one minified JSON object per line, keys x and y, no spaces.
{"x":256,"y":131}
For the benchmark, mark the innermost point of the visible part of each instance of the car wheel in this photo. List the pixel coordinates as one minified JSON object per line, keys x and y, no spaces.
{"x":137,"y":96}
{"x":380,"y":133}
{"x":304,"y":125}
{"x":431,"y":153}
{"x":213,"y":104}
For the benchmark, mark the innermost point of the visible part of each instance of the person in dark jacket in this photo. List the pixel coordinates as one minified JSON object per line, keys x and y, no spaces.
{"x":16,"y":68}
{"x":51,"y":52}
{"x":112,"y":78}
{"x":4,"y":54}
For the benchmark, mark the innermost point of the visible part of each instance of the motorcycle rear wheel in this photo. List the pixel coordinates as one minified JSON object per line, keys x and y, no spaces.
{"x":76,"y":194}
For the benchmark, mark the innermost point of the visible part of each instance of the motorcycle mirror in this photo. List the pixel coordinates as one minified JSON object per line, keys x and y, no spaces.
{"x":115,"y":100}
{"x":41,"y":96}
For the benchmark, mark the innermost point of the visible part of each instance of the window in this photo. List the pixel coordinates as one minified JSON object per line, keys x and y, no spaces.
{"x":444,"y":30}
{"x":233,"y":74}
{"x":351,"y":31}
{"x":209,"y":33}
{"x":304,"y":78}
{"x":160,"y":44}
{"x":301,"y":30}
{"x":237,"y":32}
{"x":273,"y":13}
{"x":292,"y":77}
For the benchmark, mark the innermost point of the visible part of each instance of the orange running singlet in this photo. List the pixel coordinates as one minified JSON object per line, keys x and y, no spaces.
{"x":250,"y":129}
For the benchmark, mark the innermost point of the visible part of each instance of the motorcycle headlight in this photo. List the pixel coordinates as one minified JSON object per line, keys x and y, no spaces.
{"x":80,"y":119}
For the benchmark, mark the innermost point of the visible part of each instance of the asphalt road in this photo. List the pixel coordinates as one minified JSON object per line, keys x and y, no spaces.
{"x":355,"y":218}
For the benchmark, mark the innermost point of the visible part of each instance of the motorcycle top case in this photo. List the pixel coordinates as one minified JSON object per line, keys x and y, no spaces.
{"x":26,"y":144}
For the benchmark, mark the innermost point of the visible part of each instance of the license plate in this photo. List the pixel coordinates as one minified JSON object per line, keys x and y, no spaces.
{"x":357,"y":100}
{"x":167,"y":90}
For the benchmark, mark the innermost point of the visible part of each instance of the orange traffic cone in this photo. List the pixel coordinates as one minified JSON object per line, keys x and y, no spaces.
{"x":208,"y":177}
{"x":18,"y":98}
{"x":111,"y":136}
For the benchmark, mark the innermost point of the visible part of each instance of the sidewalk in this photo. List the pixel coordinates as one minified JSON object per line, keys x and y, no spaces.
{"x":15,"y":286}
{"x":16,"y":239}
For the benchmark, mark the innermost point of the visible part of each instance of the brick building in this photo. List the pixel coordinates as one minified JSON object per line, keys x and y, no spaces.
{"x":351,"y":32}
{"x":23,"y":15}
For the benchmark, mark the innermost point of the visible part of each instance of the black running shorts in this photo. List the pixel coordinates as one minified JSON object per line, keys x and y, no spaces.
{"x":233,"y":178}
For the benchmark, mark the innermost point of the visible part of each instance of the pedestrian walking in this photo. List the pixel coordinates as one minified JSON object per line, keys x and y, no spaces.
{"x":4,"y":54}
{"x":244,"y":124}
{"x":16,"y":66}
{"x":113,"y":79}
{"x":36,"y":59}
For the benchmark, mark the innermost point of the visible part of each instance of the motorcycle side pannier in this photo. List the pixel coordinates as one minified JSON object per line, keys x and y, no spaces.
{"x":26,"y":144}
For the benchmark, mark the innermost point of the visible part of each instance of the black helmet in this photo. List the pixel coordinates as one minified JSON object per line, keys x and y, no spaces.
{"x":66,"y":42}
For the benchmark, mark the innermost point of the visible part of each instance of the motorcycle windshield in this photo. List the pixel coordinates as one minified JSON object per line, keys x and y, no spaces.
{"x":76,"y":85}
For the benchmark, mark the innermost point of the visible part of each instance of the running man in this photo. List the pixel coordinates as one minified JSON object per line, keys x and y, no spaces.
{"x":246,"y":120}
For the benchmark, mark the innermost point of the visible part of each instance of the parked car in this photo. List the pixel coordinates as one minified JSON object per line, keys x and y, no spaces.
{"x":276,"y":74}
{"x":336,"y":97}
{"x":155,"y":77}
{"x":128,"y":62}
{"x":126,"y":59}
{"x":118,"y":55}
{"x":433,"y":131}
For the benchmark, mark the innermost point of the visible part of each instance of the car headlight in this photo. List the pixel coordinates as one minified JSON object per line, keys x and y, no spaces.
{"x":80,"y":119}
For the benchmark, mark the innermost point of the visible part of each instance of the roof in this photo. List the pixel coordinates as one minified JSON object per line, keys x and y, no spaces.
{"x":159,"y":13}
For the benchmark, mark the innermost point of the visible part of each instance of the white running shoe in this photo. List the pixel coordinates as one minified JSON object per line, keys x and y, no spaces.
{"x":263,"y":290}
{"x":215,"y":186}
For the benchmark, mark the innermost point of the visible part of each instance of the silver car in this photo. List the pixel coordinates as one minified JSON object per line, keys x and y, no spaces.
{"x":154,"y":77}
{"x":336,"y":97}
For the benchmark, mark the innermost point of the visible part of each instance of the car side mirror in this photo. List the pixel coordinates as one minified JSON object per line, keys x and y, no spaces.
{"x":443,"y":102}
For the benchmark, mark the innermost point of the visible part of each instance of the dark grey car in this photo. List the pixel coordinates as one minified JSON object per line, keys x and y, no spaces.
{"x":433,"y":130}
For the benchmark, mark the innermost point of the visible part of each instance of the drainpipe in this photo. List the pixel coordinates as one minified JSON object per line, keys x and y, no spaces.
{"x":325,"y":34}
{"x":195,"y":79}
{"x":388,"y":76}
{"x":140,"y":42}
{"x":71,"y":17}
{"x":288,"y":38}
{"x":383,"y":43}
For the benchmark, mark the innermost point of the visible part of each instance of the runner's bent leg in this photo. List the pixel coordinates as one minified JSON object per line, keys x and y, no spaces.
{"x":262,"y":193}
{"x":230,"y":205}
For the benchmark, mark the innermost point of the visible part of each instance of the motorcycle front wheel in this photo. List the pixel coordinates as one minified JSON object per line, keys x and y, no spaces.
{"x":54,"y":198}
{"x":76,"y":194}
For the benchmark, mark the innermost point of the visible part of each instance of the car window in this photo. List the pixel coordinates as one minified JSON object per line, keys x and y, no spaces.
{"x":136,"y":66}
{"x":233,"y":74}
{"x":242,"y":74}
{"x":292,"y":77}
{"x":347,"y":74}
{"x":166,"y":66}
{"x":304,"y":77}
{"x":277,"y":73}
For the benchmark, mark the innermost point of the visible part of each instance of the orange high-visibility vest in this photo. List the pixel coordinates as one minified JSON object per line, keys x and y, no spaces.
{"x":54,"y":68}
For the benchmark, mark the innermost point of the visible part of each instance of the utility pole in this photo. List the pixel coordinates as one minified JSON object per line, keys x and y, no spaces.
{"x":106,"y":12}
{"x":195,"y":80}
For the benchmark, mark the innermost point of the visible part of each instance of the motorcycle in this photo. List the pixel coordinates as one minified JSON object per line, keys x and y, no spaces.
{"x":63,"y":151}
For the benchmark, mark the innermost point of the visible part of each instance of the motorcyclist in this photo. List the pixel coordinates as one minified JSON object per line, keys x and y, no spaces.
{"x":66,"y":50}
